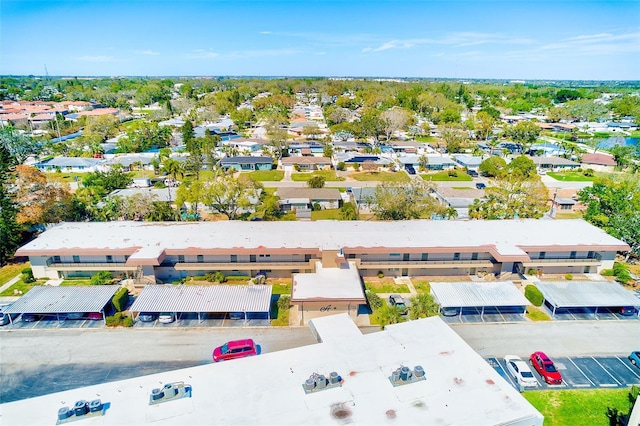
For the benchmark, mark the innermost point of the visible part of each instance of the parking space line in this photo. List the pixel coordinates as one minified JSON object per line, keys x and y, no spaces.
{"x":628,"y":368}
{"x":606,"y":371}
{"x":582,"y":372}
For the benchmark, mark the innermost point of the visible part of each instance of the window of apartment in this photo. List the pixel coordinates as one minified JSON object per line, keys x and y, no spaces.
{"x":265,"y":255}
{"x":351,"y":256}
{"x":76,"y":259}
{"x":572,"y":255}
{"x":56,"y":259}
{"x":425,"y":256}
{"x":456,"y":256}
{"x":109,"y":259}
{"x":200,"y":258}
{"x":543,"y":254}
{"x":234,"y":258}
{"x":252,"y":258}
{"x":126,"y":257}
{"x":181,"y":258}
{"x":406,"y":257}
{"x":394,"y":254}
{"x":307,"y":257}
{"x":474,"y":256}
{"x":590,"y":255}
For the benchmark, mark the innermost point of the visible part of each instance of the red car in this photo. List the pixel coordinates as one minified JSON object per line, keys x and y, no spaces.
{"x":546,"y":368}
{"x":235,"y":349}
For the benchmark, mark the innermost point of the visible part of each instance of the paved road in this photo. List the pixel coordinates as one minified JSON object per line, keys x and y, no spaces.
{"x":38,"y":362}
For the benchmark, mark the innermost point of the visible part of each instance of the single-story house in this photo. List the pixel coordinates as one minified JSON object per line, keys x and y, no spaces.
{"x":471,"y":162}
{"x":563,"y":204}
{"x":434,"y":162}
{"x":244,"y":163}
{"x":130,"y":161}
{"x":598,"y":161}
{"x":554,"y":163}
{"x":70,"y":164}
{"x":294,"y":198}
{"x":305,"y":163}
{"x":350,"y":158}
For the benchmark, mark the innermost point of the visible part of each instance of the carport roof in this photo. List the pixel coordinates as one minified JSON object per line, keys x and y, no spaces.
{"x":214,"y":298}
{"x":51,"y":300}
{"x":579,"y":294}
{"x":477,"y":294}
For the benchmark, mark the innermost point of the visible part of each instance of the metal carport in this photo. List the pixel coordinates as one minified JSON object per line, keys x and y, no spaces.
{"x":478,"y":295}
{"x":53,"y":300}
{"x":204,"y":299}
{"x":586,"y":294}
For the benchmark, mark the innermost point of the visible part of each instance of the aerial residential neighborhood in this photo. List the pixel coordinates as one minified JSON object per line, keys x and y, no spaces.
{"x":371,"y":216}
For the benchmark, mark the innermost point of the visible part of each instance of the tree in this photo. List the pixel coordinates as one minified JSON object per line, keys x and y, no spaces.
{"x":316,"y":182}
{"x":173,"y":168}
{"x":393,"y":120}
{"x":349,"y":211}
{"x":403,"y":201}
{"x":525,"y":133}
{"x":192,"y":193}
{"x":522,"y":166}
{"x":484,"y":125}
{"x":512,"y":197}
{"x":311,"y":132}
{"x":230,"y":196}
{"x":623,"y":155}
{"x":142,"y":136}
{"x":105,"y":182}
{"x":327,"y":150}
{"x":455,"y":139}
{"x":188,"y":134}
{"x":161,"y":211}
{"x":493,"y":166}
{"x":103,"y":126}
{"x":388,"y":315}
{"x":9,"y":228}
{"x":18,"y":146}
{"x":423,"y":305}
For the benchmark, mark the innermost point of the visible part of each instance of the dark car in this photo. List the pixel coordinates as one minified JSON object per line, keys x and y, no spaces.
{"x":235,"y":349}
{"x":546,"y":368}
{"x":146,"y":317}
{"x":410,"y":169}
{"x":94,"y":316}
{"x":627,"y":311}
{"x":472,"y":173}
{"x":397,"y":301}
{"x":480,"y":185}
{"x":4,"y":318}
{"x":634,"y":357}
{"x":29,"y":317}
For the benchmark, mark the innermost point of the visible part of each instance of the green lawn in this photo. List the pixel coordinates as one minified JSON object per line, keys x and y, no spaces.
{"x":9,"y":271}
{"x":281,"y":288}
{"x":265,"y":175}
{"x":386,"y":287}
{"x":570,"y":176}
{"x":535,"y":314}
{"x":422,"y":286}
{"x":329,"y":175}
{"x":20,"y":288}
{"x":578,"y":407}
{"x":443,"y":176}
{"x":64,"y":177}
{"x":462,"y":187}
{"x":70,"y":283}
{"x":381,"y":177}
{"x":327,"y":214}
{"x":425,"y":139}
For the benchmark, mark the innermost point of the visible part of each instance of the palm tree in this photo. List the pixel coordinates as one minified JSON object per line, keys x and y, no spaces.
{"x":388,"y":315}
{"x":422,"y":306}
{"x":172,"y":168}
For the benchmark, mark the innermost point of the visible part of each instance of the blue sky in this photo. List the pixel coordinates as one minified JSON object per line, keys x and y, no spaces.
{"x":515,"y":39}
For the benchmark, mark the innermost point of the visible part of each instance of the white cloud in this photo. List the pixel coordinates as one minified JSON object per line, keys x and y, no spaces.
{"x":146,"y":52}
{"x":202,"y":54}
{"x":265,"y":32}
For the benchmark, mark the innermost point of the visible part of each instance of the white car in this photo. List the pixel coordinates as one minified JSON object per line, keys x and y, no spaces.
{"x":520,"y":371}
{"x":166,"y":318}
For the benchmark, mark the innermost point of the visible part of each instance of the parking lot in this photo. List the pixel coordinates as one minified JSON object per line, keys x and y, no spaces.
{"x":183,"y":320}
{"x":491,"y":314}
{"x":604,"y":314}
{"x":582,"y":372}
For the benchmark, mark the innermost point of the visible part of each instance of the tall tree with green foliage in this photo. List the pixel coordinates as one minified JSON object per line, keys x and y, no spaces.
{"x":511,"y":197}
{"x":525,"y":133}
{"x":404,"y":201}
{"x":423,"y":305}
{"x":230,"y":196}
{"x":17,"y":145}
{"x":10,"y":230}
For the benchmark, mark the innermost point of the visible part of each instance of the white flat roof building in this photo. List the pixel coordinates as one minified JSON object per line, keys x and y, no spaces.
{"x":445,"y":382}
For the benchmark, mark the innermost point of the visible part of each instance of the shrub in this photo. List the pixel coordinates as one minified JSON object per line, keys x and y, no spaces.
{"x":380,"y":274}
{"x":120,"y":299}
{"x":119,"y":319}
{"x":534,"y":295}
{"x":284,"y":302}
{"x":589,"y":173}
{"x":27,"y":275}
{"x":568,"y":276}
{"x":316,"y":207}
{"x":340,"y":166}
{"x":452,"y":173}
{"x":235,"y":278}
{"x":621,"y":272}
{"x":606,"y":272}
{"x":375,"y":302}
{"x":102,"y":277}
{"x":215,"y":277}
{"x":532,"y":272}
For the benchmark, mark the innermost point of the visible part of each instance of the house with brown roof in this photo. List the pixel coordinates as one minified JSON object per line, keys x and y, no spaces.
{"x":290,"y":164}
{"x":598,"y":161}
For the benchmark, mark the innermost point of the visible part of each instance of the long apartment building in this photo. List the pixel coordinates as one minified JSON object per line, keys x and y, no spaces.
{"x":169,"y":251}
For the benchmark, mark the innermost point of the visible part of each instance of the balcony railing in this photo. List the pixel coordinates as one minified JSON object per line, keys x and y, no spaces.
{"x":225,"y":266}
{"x":464,"y":263}
{"x":90,"y":266}
{"x":562,"y":261}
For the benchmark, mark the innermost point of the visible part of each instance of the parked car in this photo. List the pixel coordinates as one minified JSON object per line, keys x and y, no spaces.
{"x":94,"y":316}
{"x":75,"y":315}
{"x":146,"y":317}
{"x":450,"y":312}
{"x":410,"y":169}
{"x":480,"y":185}
{"x":4,"y":318}
{"x":627,"y":311}
{"x":472,"y":173}
{"x":546,"y":368}
{"x":29,"y":317}
{"x":397,"y":301}
{"x":235,"y":349}
{"x":520,"y":371}
{"x":634,"y":357}
{"x":166,"y":317}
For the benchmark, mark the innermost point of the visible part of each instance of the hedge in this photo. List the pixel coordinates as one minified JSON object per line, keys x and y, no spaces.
{"x":119,"y":319}
{"x":120,"y":299}
{"x":375,"y":302}
{"x":534,"y":295}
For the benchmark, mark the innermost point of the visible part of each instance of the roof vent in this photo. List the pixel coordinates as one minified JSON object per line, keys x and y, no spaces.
{"x":81,"y":410}
{"x":169,"y":392}
{"x":404,"y":375}
{"x":317,"y":382}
